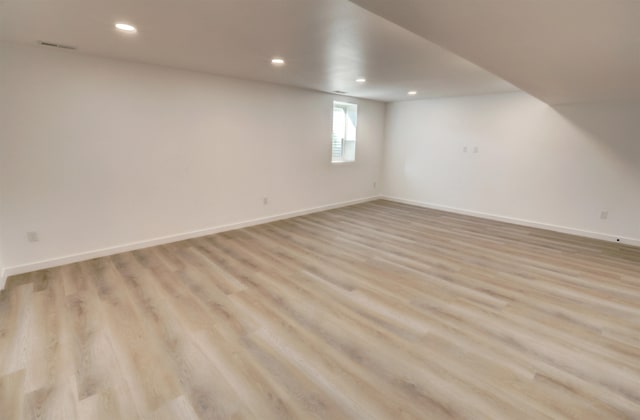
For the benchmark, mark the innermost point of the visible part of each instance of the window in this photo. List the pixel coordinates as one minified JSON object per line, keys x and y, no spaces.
{"x":343,"y":141}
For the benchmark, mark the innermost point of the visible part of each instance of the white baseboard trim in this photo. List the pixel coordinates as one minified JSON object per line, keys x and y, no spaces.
{"x":516,"y":221}
{"x":83,"y":256}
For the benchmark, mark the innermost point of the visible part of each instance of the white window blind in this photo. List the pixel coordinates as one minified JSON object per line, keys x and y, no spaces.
{"x":343,"y":140}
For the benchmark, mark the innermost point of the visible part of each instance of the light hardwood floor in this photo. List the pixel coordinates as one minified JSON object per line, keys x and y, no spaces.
{"x":375,"y":311}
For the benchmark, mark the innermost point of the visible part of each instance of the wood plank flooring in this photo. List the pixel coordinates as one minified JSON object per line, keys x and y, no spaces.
{"x":375,"y":311}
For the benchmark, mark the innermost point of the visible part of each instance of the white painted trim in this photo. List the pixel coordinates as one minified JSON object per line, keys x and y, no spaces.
{"x":3,"y":277}
{"x":516,"y":221}
{"x":69,"y":259}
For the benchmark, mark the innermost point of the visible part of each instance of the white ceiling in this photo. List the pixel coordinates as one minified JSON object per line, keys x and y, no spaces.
{"x":561,"y":51}
{"x":327,"y":43}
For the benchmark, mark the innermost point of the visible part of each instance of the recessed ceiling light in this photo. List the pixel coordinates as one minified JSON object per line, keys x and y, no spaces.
{"x":361,"y":80}
{"x":126,"y":27}
{"x":277,"y":61}
{"x":412,"y":92}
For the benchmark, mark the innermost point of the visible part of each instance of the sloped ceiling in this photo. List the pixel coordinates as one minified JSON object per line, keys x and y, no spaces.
{"x":561,"y":51}
{"x":327,"y":43}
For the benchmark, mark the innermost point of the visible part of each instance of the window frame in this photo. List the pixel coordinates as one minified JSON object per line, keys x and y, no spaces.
{"x":347,"y":107}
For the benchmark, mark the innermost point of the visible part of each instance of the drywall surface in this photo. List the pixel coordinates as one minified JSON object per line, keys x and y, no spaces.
{"x":524,"y":161}
{"x":98,"y":153}
{"x":4,"y":106}
{"x":2,"y":273}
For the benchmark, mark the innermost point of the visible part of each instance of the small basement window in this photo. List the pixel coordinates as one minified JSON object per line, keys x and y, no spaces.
{"x":343,"y":141}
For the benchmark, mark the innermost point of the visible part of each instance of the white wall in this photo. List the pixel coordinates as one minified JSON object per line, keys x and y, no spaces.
{"x":2,"y":273}
{"x":556,"y":166}
{"x":97,"y":153}
{"x":3,"y":123}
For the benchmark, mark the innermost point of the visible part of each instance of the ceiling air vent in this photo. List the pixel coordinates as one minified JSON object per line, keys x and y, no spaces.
{"x":53,"y":44}
{"x":340,"y":92}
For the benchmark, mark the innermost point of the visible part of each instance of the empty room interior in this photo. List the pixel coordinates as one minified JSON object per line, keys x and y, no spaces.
{"x":330,"y":209}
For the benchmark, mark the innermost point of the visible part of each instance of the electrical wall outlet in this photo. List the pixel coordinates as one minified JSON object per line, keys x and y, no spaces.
{"x":265,"y":200}
{"x":375,"y":184}
{"x":604,"y":214}
{"x":32,"y":237}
